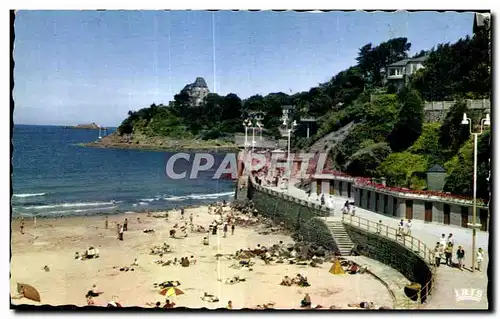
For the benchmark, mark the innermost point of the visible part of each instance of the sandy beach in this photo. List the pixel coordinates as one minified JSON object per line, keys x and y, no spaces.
{"x":54,"y":242}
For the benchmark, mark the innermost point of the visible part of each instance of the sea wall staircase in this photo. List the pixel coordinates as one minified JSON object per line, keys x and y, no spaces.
{"x":341,"y":236}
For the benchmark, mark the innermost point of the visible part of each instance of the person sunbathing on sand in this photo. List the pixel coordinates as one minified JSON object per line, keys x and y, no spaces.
{"x":269,"y":305}
{"x":90,"y":300}
{"x":192,"y":260}
{"x":286,"y":281}
{"x":234,"y":280}
{"x":209,"y":297}
{"x":306,"y":302}
{"x":205,"y":241}
{"x":184,"y":262}
{"x":362,"y":305}
{"x":91,"y":253}
{"x":169,"y":305}
{"x":172,"y":232}
{"x":134,"y":263}
{"x":94,"y":292}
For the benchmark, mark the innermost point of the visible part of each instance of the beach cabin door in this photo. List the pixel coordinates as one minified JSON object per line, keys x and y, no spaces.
{"x":368,"y":199}
{"x":386,"y":203}
{"x":318,"y":187}
{"x":377,"y":195}
{"x":332,"y":187}
{"x":446,"y":214}
{"x":349,"y":190}
{"x":428,"y":212}
{"x":409,"y":209}
{"x":465,"y":216}
{"x":394,"y":206}
{"x":340,"y":188}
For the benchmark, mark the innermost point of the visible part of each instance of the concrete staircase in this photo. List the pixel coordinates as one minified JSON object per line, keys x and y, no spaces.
{"x":341,"y":237}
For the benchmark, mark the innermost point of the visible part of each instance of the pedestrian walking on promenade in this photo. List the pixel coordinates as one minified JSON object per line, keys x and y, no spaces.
{"x":448,"y":252}
{"x":437,"y":254}
{"x":460,"y":257}
{"x":401,"y":225}
{"x":442,"y":240}
{"x":408,"y":227}
{"x":479,"y":258}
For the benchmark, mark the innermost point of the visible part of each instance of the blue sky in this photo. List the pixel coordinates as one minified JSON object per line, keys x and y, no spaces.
{"x":88,"y":66}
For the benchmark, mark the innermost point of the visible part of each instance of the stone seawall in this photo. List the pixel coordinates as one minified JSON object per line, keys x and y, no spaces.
{"x":304,"y":219}
{"x":393,"y":254}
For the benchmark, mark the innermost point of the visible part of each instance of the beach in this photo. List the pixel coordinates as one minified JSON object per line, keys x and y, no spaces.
{"x":55,"y":240}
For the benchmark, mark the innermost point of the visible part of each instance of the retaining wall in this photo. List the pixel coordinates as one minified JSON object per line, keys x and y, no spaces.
{"x":391,"y":253}
{"x":303,"y":218}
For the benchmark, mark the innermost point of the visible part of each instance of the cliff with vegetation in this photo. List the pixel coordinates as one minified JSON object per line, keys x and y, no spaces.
{"x":368,"y":127}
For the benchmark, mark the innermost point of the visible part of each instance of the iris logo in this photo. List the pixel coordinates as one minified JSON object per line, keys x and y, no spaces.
{"x":468,"y":294}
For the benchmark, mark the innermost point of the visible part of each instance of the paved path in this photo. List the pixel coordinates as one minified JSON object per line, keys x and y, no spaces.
{"x":449,"y":280}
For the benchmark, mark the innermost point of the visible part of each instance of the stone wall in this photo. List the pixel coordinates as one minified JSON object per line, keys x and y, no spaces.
{"x":301,"y":217}
{"x":436,"y":111}
{"x":391,"y":253}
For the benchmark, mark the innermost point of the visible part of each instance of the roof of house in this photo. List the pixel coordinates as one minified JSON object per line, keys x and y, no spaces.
{"x":436,"y":169}
{"x":406,"y":61}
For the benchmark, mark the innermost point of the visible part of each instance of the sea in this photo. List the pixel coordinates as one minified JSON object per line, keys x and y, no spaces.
{"x":52,"y":175}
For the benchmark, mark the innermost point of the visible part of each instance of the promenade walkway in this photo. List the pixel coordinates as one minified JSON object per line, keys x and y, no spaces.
{"x":449,"y":280}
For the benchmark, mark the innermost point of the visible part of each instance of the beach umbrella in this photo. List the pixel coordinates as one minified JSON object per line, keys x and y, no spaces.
{"x":28,"y":292}
{"x":114,"y":304}
{"x":172,"y":291}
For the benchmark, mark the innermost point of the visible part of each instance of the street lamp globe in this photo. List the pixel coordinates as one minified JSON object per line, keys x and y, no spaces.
{"x":487,"y":121}
{"x":465,"y":120}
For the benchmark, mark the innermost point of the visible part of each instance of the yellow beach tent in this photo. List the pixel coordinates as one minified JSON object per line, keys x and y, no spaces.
{"x":336,"y":268}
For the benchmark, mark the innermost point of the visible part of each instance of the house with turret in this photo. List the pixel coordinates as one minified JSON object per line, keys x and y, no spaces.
{"x":197,"y":91}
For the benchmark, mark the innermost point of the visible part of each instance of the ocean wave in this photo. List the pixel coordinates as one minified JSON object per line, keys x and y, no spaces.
{"x":70,"y":211}
{"x":198,"y":196}
{"x":140,"y":203}
{"x":70,"y":205}
{"x":28,"y":195}
{"x":149,"y":199}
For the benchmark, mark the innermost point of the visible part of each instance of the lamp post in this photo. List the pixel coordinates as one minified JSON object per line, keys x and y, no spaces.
{"x":474,"y":225}
{"x":289,"y":128}
{"x":253,"y":137}
{"x":258,"y":119}
{"x":246,"y":124}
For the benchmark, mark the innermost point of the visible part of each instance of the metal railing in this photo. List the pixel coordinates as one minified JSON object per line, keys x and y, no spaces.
{"x":411,"y":243}
{"x":322,"y":210}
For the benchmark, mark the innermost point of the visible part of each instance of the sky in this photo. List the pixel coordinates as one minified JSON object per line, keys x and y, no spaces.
{"x":75,"y":67}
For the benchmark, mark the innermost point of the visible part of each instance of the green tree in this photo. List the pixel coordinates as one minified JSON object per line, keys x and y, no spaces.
{"x":453,"y":133}
{"x":460,"y":168}
{"x":408,"y":126}
{"x":398,"y":168}
{"x":428,"y":144}
{"x":372,"y":60}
